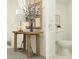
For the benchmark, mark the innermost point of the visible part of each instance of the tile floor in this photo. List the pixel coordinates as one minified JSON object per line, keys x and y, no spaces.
{"x":18,"y":55}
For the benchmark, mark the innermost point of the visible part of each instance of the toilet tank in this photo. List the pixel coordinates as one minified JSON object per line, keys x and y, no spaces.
{"x":59,"y":34}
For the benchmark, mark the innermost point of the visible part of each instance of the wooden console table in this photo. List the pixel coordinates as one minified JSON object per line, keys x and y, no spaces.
{"x":27,"y":35}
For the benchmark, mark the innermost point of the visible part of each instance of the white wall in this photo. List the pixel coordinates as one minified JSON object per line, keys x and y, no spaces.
{"x":64,"y":10}
{"x":69,"y":10}
{"x":49,"y":27}
{"x":11,"y":22}
{"x":61,"y":10}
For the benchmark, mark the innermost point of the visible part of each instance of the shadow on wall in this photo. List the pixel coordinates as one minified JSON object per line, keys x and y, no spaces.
{"x":9,"y":43}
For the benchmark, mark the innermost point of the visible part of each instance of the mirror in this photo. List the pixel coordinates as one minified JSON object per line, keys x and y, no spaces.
{"x":35,"y":14}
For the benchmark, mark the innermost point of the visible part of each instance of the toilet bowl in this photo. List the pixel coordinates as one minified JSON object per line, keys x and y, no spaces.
{"x":65,"y":47}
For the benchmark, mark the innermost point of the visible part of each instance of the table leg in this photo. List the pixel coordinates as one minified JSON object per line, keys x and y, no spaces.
{"x":15,"y":42}
{"x":24,"y":42}
{"x":29,"y":49}
{"x":37,"y":45}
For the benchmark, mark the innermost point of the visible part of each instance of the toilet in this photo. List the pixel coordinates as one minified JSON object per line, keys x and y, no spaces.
{"x":63,"y":47}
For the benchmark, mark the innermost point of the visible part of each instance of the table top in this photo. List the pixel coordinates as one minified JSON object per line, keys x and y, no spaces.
{"x":35,"y":32}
